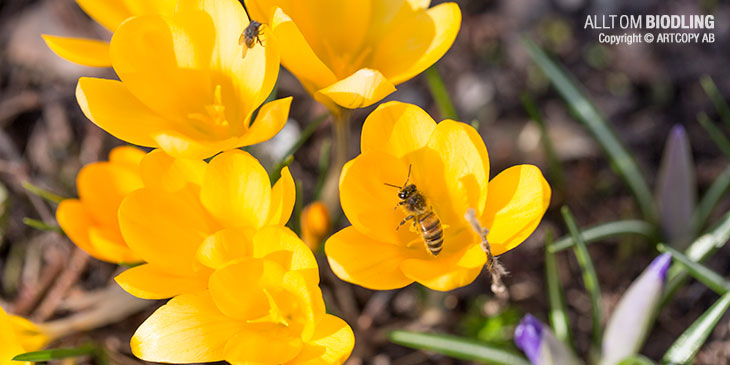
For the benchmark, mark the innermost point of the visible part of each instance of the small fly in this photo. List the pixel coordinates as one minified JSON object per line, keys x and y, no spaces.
{"x":250,"y":36}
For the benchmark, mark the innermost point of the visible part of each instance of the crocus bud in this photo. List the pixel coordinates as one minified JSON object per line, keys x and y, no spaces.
{"x":676,"y":189}
{"x":315,"y":223}
{"x":631,"y":320}
{"x":540,"y":344}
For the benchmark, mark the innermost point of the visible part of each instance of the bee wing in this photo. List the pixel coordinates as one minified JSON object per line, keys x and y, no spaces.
{"x":242,"y":38}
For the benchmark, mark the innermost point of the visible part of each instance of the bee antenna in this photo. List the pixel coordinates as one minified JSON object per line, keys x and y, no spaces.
{"x":409,"y":174}
{"x":395,"y":186}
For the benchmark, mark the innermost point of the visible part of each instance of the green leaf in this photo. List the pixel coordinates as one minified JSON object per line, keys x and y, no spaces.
{"x":717,"y":99}
{"x":457,"y":347}
{"x":606,"y":230}
{"x":45,"y":194}
{"x":636,"y":360}
{"x":621,"y":161}
{"x":56,"y":354}
{"x":440,"y":94}
{"x":590,"y":279}
{"x":558,"y":314}
{"x":708,"y":202}
{"x":275,"y":173}
{"x":715,"y":133}
{"x":41,"y":226}
{"x":700,"y":272}
{"x":689,"y":342}
{"x":698,"y":251}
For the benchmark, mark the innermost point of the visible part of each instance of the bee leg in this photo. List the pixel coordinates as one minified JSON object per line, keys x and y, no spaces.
{"x":399,"y":204}
{"x":406,"y":219}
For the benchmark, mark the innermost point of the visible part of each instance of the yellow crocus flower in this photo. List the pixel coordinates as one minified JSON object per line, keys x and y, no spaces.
{"x":172,"y":222}
{"x":184,"y":86}
{"x":257,"y":310}
{"x":110,"y":14}
{"x":449,"y":165}
{"x":91,"y":220}
{"x":352,"y":53}
{"x":18,"y":336}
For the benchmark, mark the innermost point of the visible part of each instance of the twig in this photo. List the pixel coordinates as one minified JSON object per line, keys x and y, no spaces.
{"x":114,"y":305}
{"x":496,"y":270}
{"x":68,"y":278}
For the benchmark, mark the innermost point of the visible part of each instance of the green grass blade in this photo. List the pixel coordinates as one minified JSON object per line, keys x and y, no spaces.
{"x":717,"y":99}
{"x":698,"y":251}
{"x":558,"y":314}
{"x":621,"y":161}
{"x":708,"y":202}
{"x":45,"y":194}
{"x":457,"y":347}
{"x":303,"y":138}
{"x":700,"y":272}
{"x":590,"y":279}
{"x":56,"y":354}
{"x":440,"y":94}
{"x":554,"y":166}
{"x":715,"y":133}
{"x":606,"y":230}
{"x":40,"y":225}
{"x":689,"y":342}
{"x":636,"y":360}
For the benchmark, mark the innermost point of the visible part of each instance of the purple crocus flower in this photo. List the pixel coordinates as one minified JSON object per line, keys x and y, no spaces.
{"x":634,"y":314}
{"x":540,"y":344}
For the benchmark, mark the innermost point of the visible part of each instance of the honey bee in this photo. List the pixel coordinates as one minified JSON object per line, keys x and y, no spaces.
{"x":425,"y":221}
{"x":250,"y":36}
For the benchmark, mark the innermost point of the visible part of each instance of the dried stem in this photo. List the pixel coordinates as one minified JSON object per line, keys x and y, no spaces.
{"x":496,"y":270}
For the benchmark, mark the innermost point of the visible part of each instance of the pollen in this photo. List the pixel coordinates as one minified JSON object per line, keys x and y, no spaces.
{"x":214,"y":115}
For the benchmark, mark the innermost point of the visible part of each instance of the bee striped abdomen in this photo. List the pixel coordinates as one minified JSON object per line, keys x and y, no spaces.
{"x":431,"y":231}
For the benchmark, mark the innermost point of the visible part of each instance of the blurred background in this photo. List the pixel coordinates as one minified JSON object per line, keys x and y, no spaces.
{"x":643,"y":90}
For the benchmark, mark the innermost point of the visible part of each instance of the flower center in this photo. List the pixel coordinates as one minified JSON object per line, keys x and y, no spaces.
{"x":213,"y":121}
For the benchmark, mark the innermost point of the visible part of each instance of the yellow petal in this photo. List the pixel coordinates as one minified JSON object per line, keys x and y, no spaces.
{"x":87,"y":52}
{"x":238,"y":290}
{"x":155,"y":223}
{"x":283,"y":197}
{"x":161,"y":171}
{"x":518,"y":198}
{"x":102,"y":186}
{"x":225,"y":246}
{"x":179,"y":145}
{"x":270,"y":120}
{"x":298,"y":57}
{"x":367,"y":202}
{"x":149,"y":282}
{"x":413,"y":45}
{"x":109,"y":246}
{"x":463,"y":167}
{"x":316,"y":224}
{"x":331,"y":343}
{"x":114,"y":109}
{"x":188,"y":329}
{"x":173,"y":80}
{"x":303,"y":302}
{"x":75,"y":222}
{"x":445,"y":273}
{"x":363,"y":88}
{"x":107,"y":13}
{"x":10,"y":343}
{"x":29,"y":335}
{"x":419,"y":4}
{"x":360,"y":260}
{"x":263,"y":343}
{"x":236,"y":190}
{"x":396,"y":128}
{"x":127,"y":156}
{"x":147,"y":7}
{"x":283,"y":246}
